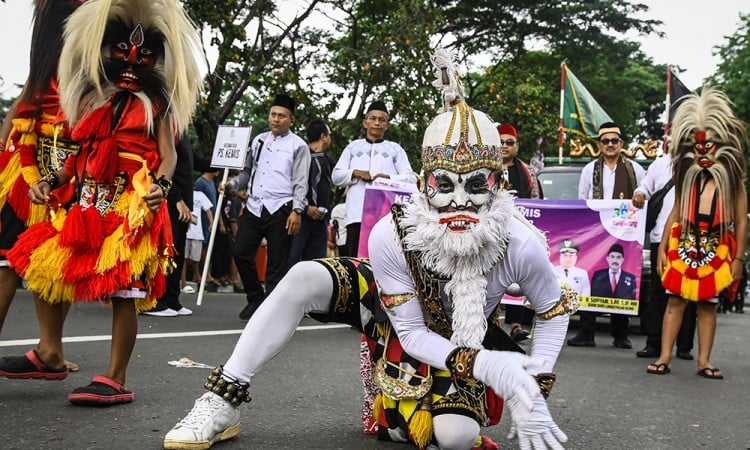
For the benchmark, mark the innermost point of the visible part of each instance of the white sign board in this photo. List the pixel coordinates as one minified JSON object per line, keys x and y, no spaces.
{"x":230,"y":147}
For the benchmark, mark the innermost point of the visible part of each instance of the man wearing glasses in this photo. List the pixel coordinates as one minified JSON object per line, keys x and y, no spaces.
{"x":610,"y":176}
{"x":517,"y":175}
{"x":524,"y":184}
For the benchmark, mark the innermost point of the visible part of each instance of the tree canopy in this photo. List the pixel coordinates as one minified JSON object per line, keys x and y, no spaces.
{"x":336,"y":56}
{"x":733,"y":74}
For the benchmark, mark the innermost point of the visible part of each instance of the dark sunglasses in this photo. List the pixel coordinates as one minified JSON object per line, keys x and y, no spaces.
{"x":613,"y":141}
{"x":509,"y":142}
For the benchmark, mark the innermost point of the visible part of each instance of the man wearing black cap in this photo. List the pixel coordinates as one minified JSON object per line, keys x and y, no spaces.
{"x":364,"y":160}
{"x":276,"y":176}
{"x":568,"y":273}
{"x":612,"y":282}
{"x":611,"y":175}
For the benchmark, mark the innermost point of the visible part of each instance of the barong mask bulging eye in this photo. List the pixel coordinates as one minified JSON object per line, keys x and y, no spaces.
{"x":460,"y":197}
{"x":704,"y":149}
{"x":133,"y":56}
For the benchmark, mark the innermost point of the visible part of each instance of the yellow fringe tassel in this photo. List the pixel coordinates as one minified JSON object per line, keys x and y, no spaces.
{"x":8,"y":176}
{"x":420,"y":426}
{"x":31,"y":175}
{"x":37,"y":213}
{"x":110,"y":253}
{"x":58,"y":219}
{"x":378,"y":407}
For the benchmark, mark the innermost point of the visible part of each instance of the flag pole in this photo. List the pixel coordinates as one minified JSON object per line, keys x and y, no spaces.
{"x":562,"y":106}
{"x":668,"y":103}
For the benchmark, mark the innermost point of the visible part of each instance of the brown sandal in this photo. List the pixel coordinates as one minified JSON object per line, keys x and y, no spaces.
{"x":658,"y":369}
{"x":712,"y":373}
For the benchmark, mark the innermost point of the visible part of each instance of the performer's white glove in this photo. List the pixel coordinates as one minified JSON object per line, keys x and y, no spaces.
{"x":537,"y":430}
{"x":506,"y":373}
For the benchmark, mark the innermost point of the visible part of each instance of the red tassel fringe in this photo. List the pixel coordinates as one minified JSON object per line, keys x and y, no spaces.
{"x":18,"y":198}
{"x":19,"y":256}
{"x":83,"y":230}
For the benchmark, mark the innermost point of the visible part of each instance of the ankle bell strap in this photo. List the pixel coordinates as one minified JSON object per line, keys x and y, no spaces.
{"x":227,"y":387}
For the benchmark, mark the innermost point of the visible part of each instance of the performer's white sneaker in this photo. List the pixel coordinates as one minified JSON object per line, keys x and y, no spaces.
{"x":211,"y":420}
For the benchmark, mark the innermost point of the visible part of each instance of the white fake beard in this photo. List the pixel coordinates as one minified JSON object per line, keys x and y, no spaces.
{"x":466,"y":257}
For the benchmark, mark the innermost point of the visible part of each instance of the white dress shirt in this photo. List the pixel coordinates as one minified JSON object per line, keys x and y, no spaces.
{"x":375,"y":157}
{"x":657,"y":176}
{"x":586,"y":182}
{"x":276,"y":173}
{"x":576,"y":278}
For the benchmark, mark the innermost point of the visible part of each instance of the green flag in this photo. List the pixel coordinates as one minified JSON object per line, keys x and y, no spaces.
{"x":582,"y":115}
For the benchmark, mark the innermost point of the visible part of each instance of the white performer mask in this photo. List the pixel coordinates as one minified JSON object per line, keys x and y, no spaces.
{"x":450,"y":192}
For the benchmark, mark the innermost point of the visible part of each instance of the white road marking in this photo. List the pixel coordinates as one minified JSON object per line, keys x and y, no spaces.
{"x":107,"y":337}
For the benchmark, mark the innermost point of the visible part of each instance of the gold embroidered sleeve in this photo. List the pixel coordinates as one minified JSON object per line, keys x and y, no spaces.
{"x":568,"y":304}
{"x":546,"y":382}
{"x":390,"y":301}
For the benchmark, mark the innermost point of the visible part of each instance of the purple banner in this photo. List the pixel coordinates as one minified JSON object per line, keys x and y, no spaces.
{"x":605,"y":241}
{"x":379,"y":197}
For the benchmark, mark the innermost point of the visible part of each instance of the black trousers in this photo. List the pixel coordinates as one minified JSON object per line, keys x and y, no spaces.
{"x":654,"y":314}
{"x":518,"y":314}
{"x":250,"y":233}
{"x":171,"y":297}
{"x":220,"y":263}
{"x":618,"y":324}
{"x":352,"y":239}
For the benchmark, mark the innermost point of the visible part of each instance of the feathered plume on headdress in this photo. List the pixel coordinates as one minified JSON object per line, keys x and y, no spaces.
{"x":708,"y":118}
{"x":447,"y":78}
{"x":459,"y":139}
{"x":81,"y":64}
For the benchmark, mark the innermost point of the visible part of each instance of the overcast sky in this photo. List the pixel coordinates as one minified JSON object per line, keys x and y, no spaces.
{"x":692,"y":27}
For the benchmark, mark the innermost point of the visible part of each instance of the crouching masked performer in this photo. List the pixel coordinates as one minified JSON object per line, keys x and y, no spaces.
{"x":128,"y":73}
{"x":441,"y":265}
{"x":38,"y":143}
{"x":704,"y":252}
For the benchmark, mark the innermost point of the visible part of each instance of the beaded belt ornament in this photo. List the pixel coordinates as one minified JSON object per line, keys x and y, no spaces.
{"x":396,"y":388}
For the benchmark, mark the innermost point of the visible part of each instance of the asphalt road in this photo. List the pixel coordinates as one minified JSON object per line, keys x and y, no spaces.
{"x":310,"y":395}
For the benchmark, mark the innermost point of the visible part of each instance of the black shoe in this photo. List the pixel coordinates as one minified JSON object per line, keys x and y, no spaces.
{"x":648,"y":352}
{"x":518,"y":334}
{"x":581,"y":341}
{"x":685,"y":354}
{"x":623,"y":343}
{"x":248,"y":311}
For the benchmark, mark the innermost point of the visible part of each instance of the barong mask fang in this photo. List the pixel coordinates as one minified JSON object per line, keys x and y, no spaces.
{"x":133,"y":55}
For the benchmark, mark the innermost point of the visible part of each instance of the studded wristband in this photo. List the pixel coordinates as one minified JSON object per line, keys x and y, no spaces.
{"x":164,"y":184}
{"x":52,"y":179}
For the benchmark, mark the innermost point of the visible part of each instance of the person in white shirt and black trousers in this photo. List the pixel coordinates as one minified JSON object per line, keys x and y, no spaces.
{"x":276,"y":176}
{"x":658,"y":188}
